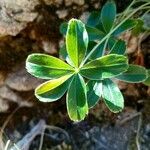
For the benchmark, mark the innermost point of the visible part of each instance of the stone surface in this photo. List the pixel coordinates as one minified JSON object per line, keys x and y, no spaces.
{"x":21,"y":80}
{"x":70,"y":2}
{"x":84,"y":17}
{"x":15,"y":14}
{"x":50,"y":2}
{"x":2,"y":78}
{"x":4,"y":106}
{"x":49,"y":47}
{"x":8,"y":95}
{"x":104,"y":137}
{"x":62,"y":13}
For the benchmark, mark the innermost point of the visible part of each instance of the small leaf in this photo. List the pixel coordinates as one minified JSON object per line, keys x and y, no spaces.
{"x":108,"y":15}
{"x":147,"y":81}
{"x":52,"y":90}
{"x":63,"y":28}
{"x":47,"y":67}
{"x":118,"y":48}
{"x":94,"y":92}
{"x":76,"y":41}
{"x":63,"y":52}
{"x":94,"y":33}
{"x":138,"y":27}
{"x":112,"y":96}
{"x":127,"y":25}
{"x":100,"y":27}
{"x":93,"y":19}
{"x":77,"y":99}
{"x":134,"y":74}
{"x":98,"y":52}
{"x":63,"y":55}
{"x":105,"y":67}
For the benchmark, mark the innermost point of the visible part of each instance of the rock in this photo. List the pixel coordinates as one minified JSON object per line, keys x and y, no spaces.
{"x":8,"y":95}
{"x":84,"y":17}
{"x":70,"y":2}
{"x":3,"y":105}
{"x":50,"y":2}
{"x":62,"y":13}
{"x":2,"y":78}
{"x":21,"y":80}
{"x":79,"y":2}
{"x":122,"y":85}
{"x":49,"y":47}
{"x":15,"y":14}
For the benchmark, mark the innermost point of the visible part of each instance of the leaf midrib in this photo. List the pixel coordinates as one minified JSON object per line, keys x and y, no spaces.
{"x":51,"y":67}
{"x":94,"y":67}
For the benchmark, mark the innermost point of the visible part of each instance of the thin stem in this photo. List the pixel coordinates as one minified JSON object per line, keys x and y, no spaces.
{"x":7,"y":145}
{"x":128,"y":8}
{"x":91,"y":52}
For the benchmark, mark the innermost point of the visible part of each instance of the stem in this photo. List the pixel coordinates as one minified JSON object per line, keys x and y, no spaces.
{"x":128,"y":8}
{"x":91,"y":52}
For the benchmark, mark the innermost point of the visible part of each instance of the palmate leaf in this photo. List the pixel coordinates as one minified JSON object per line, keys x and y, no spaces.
{"x":77,"y":106}
{"x":112,"y":96}
{"x":53,"y":90}
{"x":105,"y":67}
{"x":108,"y":15}
{"x":76,"y":41}
{"x":47,"y":67}
{"x":134,"y":74}
{"x":94,"y":92}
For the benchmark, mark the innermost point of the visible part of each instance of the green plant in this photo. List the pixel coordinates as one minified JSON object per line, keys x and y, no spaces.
{"x":85,"y":79}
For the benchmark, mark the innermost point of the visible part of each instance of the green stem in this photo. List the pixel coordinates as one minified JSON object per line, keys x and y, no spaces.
{"x":91,"y":52}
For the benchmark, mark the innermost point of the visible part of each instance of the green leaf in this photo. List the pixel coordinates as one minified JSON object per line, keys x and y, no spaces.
{"x":47,"y":67}
{"x":108,"y":15}
{"x":112,"y":96}
{"x":77,"y":99}
{"x":98,"y":52}
{"x":147,"y":81}
{"x":63,"y":52}
{"x":76,"y":41}
{"x":94,"y":92}
{"x":105,"y":67}
{"x":93,"y":19}
{"x":138,"y":28}
{"x":118,"y":48}
{"x":127,"y":25}
{"x":94,"y":33}
{"x":52,"y":90}
{"x":134,"y":74}
{"x":63,"y":28}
